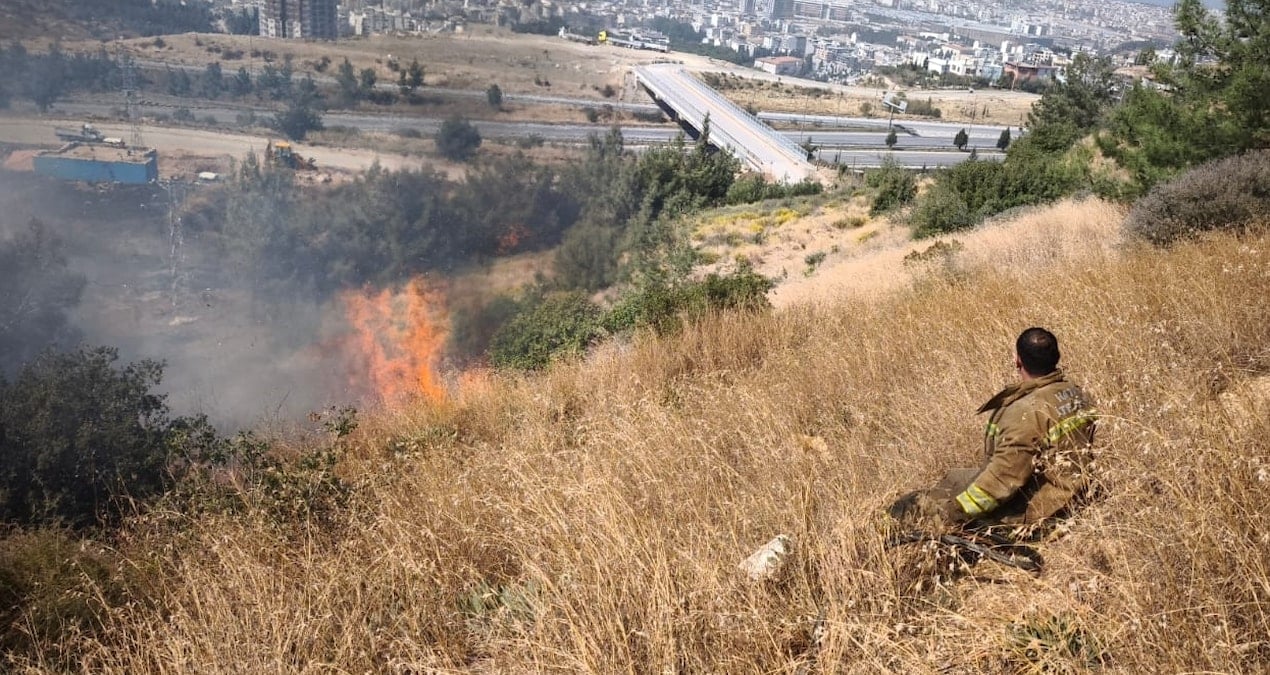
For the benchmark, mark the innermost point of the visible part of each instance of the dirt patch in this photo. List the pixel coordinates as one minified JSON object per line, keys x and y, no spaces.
{"x":761,"y":91}
{"x":21,"y":160}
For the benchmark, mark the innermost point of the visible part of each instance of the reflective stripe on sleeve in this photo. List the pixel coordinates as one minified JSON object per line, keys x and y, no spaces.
{"x":1069,"y":425}
{"x":975,"y":501}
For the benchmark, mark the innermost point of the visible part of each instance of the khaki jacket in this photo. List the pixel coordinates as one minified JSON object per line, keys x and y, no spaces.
{"x":1037,"y":447}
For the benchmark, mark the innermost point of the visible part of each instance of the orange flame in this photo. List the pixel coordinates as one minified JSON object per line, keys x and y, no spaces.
{"x":398,"y":340}
{"x":510,"y":239}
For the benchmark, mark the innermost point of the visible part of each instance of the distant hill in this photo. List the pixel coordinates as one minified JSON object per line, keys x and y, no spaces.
{"x":105,"y":19}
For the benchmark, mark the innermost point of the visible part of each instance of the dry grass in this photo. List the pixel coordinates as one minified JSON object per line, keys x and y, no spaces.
{"x":748,"y":88}
{"x":866,"y":256}
{"x":591,"y":519}
{"x":470,"y":60}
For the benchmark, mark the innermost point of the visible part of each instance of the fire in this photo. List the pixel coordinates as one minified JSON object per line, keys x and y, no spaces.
{"x":397,"y":340}
{"x":511,"y":239}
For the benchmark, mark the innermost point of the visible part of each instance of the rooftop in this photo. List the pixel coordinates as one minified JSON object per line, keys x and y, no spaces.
{"x":105,"y":153}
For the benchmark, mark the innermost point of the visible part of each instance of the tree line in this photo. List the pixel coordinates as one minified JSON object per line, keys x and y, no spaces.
{"x":109,"y":18}
{"x":1207,"y":105}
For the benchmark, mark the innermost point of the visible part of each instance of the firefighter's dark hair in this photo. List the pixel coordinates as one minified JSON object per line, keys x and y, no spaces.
{"x":1038,"y":351}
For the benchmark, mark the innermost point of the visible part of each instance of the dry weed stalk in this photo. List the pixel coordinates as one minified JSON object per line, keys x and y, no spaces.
{"x":591,"y":519}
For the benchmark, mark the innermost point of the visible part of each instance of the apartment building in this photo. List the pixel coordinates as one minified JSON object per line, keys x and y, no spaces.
{"x":299,"y":19}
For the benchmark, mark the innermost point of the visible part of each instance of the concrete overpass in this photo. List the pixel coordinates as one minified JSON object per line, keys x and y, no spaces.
{"x":689,"y":100}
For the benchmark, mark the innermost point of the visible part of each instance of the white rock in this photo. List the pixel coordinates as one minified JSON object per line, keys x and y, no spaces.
{"x":769,"y":560}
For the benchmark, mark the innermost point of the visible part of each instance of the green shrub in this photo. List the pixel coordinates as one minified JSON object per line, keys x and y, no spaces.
{"x":752,"y":187}
{"x":813,"y":261}
{"x":969,"y":192}
{"x":742,"y":288}
{"x":654,"y":305}
{"x":457,"y":140}
{"x":749,"y":188}
{"x":560,"y":323}
{"x":1224,"y":194}
{"x":895,"y":187}
{"x":78,"y":435}
{"x":296,"y":492}
{"x":978,"y":184}
{"x":940,"y":210}
{"x":588,"y":256}
{"x":662,"y":307}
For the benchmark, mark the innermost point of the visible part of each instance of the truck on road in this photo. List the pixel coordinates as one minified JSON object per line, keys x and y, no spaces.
{"x":87,"y":134}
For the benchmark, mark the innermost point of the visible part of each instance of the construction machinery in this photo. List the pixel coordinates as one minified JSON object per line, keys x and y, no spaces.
{"x":281,"y":153}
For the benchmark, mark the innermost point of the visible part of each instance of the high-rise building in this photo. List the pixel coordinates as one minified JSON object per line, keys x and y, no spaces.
{"x":299,"y":19}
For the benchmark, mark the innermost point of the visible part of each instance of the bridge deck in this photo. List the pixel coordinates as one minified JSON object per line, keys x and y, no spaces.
{"x":731,"y":127}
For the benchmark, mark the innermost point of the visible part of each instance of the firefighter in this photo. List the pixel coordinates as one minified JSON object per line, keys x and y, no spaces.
{"x":1037,"y":447}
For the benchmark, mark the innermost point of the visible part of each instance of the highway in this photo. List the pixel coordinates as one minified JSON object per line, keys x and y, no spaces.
{"x":910,"y":159}
{"x":853,"y":148}
{"x":918,"y":127}
{"x":825,"y":131}
{"x":731,"y":127}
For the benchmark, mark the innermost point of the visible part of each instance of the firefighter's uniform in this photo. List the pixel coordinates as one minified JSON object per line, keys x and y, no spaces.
{"x":1037,"y":448}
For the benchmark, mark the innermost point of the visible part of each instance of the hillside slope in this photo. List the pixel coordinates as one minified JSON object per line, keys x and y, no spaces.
{"x":63,"y":20}
{"x":591,"y":519}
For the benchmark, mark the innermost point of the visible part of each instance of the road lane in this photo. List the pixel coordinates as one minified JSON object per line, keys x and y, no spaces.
{"x":852,"y":148}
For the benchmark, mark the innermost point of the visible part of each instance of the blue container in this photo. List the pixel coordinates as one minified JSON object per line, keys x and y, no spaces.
{"x":136,"y":169}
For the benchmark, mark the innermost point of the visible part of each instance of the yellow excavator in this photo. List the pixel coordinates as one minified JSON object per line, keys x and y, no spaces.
{"x":281,"y":153}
